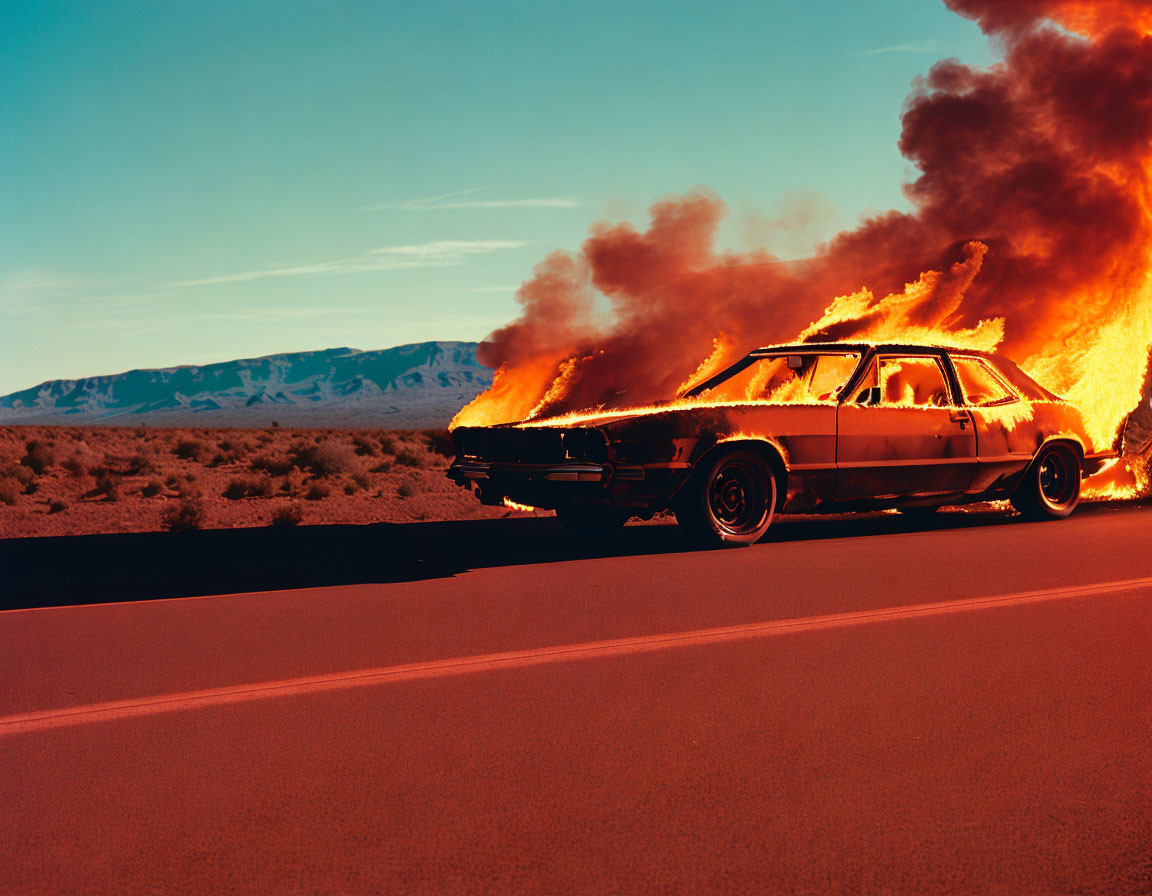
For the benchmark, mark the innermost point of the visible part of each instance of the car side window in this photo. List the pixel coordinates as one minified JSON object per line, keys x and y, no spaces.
{"x":868,"y":392}
{"x":912,"y":382}
{"x":981,"y":387}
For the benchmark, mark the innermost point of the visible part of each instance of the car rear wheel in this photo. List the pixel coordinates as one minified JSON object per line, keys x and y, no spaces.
{"x":591,"y":521}
{"x":730,"y":501}
{"x":1051,"y":486}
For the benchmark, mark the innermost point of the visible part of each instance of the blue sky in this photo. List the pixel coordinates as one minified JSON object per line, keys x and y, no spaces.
{"x":186,"y":182}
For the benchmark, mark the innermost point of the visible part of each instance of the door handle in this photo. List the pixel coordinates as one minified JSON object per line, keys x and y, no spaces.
{"x":960,"y":417}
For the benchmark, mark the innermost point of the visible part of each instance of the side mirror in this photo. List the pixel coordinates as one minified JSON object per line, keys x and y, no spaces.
{"x":869,"y":397}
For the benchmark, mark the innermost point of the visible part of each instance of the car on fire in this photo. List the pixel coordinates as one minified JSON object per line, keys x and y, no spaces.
{"x":806,"y":428}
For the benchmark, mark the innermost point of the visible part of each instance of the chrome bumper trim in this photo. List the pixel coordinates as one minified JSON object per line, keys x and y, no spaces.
{"x":551,"y":472}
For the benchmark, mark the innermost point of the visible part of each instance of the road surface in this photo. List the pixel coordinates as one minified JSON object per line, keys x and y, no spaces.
{"x":961,"y":705}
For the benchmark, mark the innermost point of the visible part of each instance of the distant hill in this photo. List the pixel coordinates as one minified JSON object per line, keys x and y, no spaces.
{"x":410,"y":386}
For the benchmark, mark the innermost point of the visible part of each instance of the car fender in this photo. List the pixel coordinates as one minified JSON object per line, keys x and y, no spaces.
{"x":1068,"y":440}
{"x":769,"y":449}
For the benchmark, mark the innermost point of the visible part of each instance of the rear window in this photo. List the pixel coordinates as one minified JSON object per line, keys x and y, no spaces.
{"x":980,"y":385}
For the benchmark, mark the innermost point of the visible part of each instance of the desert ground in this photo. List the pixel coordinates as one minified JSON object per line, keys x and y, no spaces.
{"x":58,"y":480}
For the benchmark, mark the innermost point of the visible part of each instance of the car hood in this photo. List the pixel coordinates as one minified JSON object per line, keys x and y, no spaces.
{"x":679,"y":410}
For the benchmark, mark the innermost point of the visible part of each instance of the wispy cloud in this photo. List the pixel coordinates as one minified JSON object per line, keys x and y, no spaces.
{"x":36,"y":281}
{"x":32,"y":290}
{"x":450,"y":248}
{"x":256,"y":314}
{"x":486,"y":289}
{"x":457,"y":200}
{"x":916,"y":46}
{"x":439,"y":253}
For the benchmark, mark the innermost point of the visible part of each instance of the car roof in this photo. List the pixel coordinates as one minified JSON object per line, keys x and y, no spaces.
{"x":1027,"y":386}
{"x":902,"y":347}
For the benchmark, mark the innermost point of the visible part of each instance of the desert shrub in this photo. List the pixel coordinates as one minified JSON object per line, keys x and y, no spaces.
{"x":288,"y":515}
{"x":106,"y":488}
{"x":317,"y":491}
{"x":439,"y":441}
{"x":289,"y":483}
{"x":361,"y":479}
{"x":365,"y":445}
{"x":405,"y":490}
{"x":57,"y":506}
{"x":382,"y":467}
{"x":137,"y":464}
{"x":74,"y":467}
{"x":9,"y":490}
{"x":405,"y":458}
{"x":236,"y":489}
{"x":32,"y":487}
{"x":300,"y":455}
{"x":248,"y":487}
{"x":387,"y":443}
{"x":350,"y":488}
{"x":152,"y":489}
{"x":184,"y":516}
{"x":39,"y":456}
{"x":20,"y":474}
{"x":273,"y":464}
{"x":324,"y":459}
{"x":189,"y":449}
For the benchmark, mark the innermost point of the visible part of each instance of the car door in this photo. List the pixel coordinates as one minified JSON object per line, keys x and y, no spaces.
{"x":902,"y":433}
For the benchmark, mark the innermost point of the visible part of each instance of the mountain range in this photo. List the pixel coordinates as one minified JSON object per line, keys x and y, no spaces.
{"x":421,"y":385}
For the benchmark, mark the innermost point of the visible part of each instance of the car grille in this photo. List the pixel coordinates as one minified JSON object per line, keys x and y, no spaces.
{"x":536,"y":445}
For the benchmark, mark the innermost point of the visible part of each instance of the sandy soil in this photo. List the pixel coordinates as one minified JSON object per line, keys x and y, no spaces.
{"x":58,"y":480}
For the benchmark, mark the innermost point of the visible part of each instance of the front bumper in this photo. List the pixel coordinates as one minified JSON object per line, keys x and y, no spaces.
{"x":463,"y":472}
{"x":552,"y":485}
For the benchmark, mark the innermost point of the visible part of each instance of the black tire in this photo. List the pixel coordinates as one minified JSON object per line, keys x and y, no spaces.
{"x":730,"y":500}
{"x":1051,"y":486}
{"x":591,"y":521}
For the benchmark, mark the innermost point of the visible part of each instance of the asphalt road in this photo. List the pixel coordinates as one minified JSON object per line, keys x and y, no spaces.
{"x":962,"y":705}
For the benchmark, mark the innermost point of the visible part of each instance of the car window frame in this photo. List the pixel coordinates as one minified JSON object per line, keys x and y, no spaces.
{"x":748,"y":360}
{"x":990,"y":368}
{"x":946,"y":375}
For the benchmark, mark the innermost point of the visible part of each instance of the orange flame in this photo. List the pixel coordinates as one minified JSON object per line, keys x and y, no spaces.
{"x":526,"y":508}
{"x":1030,"y":232}
{"x":721,"y":355}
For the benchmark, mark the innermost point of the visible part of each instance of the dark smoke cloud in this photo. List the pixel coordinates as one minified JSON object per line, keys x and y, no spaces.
{"x":1042,"y":162}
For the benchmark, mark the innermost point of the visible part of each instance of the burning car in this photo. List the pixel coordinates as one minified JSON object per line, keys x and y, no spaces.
{"x":807,"y":428}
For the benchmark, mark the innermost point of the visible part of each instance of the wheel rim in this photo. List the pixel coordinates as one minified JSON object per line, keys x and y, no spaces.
{"x":738,"y":498}
{"x":1057,"y":485}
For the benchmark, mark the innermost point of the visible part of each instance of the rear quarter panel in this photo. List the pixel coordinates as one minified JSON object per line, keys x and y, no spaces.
{"x":1009,"y":436}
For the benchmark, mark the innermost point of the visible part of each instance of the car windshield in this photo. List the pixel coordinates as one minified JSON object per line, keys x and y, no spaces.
{"x":795,"y":378}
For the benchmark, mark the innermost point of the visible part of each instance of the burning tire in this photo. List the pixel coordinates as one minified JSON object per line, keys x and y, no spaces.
{"x":730,"y":501}
{"x":590,"y":521}
{"x":1051,"y":486}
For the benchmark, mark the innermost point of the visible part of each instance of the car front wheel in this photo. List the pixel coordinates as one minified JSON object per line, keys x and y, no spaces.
{"x":730,"y":501}
{"x":1051,"y":487}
